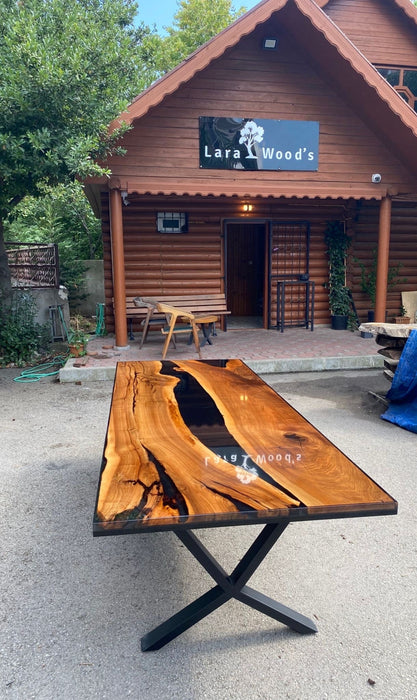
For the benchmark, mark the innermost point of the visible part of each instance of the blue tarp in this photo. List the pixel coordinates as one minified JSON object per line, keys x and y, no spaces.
{"x":403,"y":393}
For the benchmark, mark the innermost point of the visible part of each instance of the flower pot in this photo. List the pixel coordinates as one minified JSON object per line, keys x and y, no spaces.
{"x":339,"y":323}
{"x":76,"y":349}
{"x":402,"y":319}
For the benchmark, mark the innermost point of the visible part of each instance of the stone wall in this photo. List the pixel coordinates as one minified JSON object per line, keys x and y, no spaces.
{"x":92,"y":289}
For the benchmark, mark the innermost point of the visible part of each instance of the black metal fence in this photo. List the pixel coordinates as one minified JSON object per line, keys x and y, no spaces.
{"x":33,"y":265}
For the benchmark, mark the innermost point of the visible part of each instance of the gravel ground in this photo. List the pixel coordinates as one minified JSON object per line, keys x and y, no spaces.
{"x":73,"y":608}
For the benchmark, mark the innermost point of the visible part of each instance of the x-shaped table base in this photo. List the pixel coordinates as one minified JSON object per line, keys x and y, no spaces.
{"x":233,"y":586}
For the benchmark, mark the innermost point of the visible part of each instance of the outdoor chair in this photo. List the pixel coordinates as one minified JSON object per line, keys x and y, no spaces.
{"x":151,"y":304}
{"x":409,"y":304}
{"x":183,"y":321}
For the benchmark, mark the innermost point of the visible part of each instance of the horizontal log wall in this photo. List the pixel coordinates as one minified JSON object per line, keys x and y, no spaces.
{"x":403,"y":246}
{"x":192,"y":263}
{"x":159,"y":264}
{"x":378,"y":29}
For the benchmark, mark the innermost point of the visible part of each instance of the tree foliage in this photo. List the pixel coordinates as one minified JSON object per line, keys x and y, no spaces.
{"x":195,"y":22}
{"x":60,"y":215}
{"x":67,"y":68}
{"x":21,"y":337}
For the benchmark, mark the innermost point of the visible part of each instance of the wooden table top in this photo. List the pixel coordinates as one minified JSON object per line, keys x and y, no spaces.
{"x":393,"y":330}
{"x":207,"y":443}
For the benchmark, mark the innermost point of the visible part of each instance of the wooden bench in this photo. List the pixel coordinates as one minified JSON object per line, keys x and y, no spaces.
{"x":137,"y":308}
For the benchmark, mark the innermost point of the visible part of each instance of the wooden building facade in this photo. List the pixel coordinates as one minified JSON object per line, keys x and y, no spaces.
{"x":238,"y":230}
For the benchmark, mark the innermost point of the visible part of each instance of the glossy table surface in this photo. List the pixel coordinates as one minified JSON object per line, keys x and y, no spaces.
{"x":207,"y":443}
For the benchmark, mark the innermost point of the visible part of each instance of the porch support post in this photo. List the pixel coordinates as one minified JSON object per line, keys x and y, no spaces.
{"x":383,"y":259}
{"x":118,"y":268}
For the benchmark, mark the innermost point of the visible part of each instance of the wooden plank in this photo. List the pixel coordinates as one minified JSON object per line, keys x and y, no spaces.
{"x":378,"y":29}
{"x":151,"y":256}
{"x":167,"y":141}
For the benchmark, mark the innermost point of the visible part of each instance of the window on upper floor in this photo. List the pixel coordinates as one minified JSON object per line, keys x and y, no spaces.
{"x":404,"y":80}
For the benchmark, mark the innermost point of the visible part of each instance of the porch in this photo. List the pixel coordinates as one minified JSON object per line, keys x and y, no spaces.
{"x":265,"y":351}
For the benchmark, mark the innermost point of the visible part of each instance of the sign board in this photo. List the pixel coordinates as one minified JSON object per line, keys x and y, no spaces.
{"x":235,"y":143}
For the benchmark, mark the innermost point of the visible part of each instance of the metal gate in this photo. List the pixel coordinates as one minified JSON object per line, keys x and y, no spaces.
{"x":289,"y":288}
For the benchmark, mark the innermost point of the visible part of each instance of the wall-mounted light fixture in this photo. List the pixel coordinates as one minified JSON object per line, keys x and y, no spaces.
{"x":247,"y":207}
{"x":125,"y":197}
{"x":270,"y":43}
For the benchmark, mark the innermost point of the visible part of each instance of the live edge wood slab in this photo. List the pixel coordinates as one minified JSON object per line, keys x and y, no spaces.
{"x":207,"y":443}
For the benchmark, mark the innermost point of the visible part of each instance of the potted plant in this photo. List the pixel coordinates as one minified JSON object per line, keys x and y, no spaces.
{"x":77,"y":338}
{"x":338,"y":243}
{"x":368,"y":280}
{"x":402,"y":318}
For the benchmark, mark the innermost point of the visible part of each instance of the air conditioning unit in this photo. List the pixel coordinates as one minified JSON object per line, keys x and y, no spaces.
{"x":172,"y":222}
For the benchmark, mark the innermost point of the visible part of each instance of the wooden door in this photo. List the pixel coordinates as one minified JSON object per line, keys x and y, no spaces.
{"x":245,"y":263}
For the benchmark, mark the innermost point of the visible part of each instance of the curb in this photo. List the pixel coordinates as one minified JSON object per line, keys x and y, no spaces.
{"x":69,"y":373}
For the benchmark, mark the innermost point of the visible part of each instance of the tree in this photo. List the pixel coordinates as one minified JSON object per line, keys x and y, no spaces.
{"x":195,"y":22}
{"x":67,"y":68}
{"x":62,"y":215}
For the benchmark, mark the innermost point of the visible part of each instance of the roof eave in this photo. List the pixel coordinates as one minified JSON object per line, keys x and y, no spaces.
{"x":406,"y":6}
{"x":197,"y":61}
{"x":397,"y":112}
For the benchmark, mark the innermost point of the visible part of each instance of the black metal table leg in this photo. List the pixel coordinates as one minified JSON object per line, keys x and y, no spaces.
{"x":185,"y":618}
{"x":268,"y":606}
{"x":228,"y":587}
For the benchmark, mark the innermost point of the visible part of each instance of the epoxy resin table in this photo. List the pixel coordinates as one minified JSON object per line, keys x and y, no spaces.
{"x":193,"y":444}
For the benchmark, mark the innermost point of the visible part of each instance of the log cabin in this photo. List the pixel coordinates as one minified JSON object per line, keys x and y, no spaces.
{"x":300,"y":113}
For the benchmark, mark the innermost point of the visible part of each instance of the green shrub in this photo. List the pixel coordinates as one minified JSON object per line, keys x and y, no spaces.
{"x":21,"y":338}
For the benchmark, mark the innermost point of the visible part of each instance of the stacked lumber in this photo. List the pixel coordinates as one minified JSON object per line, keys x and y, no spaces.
{"x":391,"y":350}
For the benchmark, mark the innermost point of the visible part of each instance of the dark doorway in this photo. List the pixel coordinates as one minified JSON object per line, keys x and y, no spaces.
{"x":245,"y":273}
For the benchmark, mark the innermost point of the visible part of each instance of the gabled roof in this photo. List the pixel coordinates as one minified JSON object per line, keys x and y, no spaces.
{"x":246,"y":24}
{"x":333,"y":55}
{"x":406,"y":6}
{"x":200,"y":59}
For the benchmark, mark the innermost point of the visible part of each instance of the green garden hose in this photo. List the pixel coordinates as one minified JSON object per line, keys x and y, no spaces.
{"x":47,"y":369}
{"x":100,"y":329}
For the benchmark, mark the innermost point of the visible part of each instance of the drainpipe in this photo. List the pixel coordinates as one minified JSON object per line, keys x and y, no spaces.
{"x":118,"y":265}
{"x":383,"y":259}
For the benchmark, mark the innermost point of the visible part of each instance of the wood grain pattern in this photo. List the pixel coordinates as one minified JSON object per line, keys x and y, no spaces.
{"x":199,"y":443}
{"x":152,"y":260}
{"x":163,"y":151}
{"x":379,"y":29}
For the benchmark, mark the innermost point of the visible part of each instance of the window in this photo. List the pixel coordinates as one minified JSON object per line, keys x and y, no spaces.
{"x":170,"y":222}
{"x":404,"y":80}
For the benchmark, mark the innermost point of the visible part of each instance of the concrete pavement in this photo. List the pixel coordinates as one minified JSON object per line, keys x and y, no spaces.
{"x":73,"y":608}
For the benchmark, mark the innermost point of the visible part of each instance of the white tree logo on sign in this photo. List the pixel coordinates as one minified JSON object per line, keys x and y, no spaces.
{"x":251,"y":134}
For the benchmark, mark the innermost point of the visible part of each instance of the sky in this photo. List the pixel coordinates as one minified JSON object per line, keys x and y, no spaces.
{"x":161,"y":12}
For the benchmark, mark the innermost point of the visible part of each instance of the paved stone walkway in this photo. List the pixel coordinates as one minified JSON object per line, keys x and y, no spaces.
{"x":295,"y":350}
